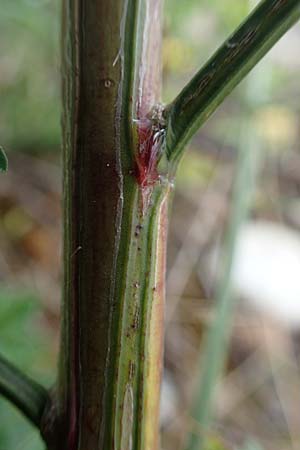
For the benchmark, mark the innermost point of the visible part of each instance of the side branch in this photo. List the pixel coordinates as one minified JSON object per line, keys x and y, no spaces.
{"x":226,"y":68}
{"x":27,"y":395}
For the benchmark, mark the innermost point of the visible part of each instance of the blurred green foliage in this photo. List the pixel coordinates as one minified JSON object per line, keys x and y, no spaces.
{"x":29,"y":75}
{"x":24,"y":342}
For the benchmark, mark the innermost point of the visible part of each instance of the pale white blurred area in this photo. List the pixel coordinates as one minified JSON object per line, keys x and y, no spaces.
{"x":266,"y":270}
{"x":169,"y":400}
{"x":284,"y":52}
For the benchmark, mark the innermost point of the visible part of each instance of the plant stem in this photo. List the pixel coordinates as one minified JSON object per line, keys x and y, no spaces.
{"x":24,"y":393}
{"x":115,"y":229}
{"x":227,"y":67}
{"x":3,"y":161}
{"x":116,"y":199}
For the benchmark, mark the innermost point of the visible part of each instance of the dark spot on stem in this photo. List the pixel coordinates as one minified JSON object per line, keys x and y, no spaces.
{"x":108,"y":83}
{"x":138,"y":229}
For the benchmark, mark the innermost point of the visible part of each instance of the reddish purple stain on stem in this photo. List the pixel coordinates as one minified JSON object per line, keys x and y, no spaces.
{"x":146,"y":158}
{"x":151,"y":135}
{"x":150,"y":145}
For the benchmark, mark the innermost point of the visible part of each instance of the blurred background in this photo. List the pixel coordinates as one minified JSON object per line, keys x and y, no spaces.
{"x":256,"y":131}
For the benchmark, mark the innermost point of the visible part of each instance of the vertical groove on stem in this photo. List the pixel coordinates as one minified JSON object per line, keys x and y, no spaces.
{"x":114,"y":251}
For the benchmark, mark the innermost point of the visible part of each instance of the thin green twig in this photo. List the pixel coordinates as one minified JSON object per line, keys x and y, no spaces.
{"x":3,"y":160}
{"x":216,"y":344}
{"x":227,"y":67}
{"x":29,"y":397}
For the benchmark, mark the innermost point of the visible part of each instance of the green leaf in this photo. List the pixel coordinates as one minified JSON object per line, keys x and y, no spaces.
{"x":3,"y":161}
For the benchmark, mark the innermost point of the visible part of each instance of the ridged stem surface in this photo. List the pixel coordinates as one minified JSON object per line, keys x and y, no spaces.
{"x":114,"y":230}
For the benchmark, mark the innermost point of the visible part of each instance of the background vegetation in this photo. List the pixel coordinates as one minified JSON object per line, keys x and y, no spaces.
{"x":257,"y":399}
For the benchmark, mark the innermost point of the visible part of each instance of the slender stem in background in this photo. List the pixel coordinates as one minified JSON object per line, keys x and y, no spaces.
{"x":217,"y":340}
{"x":227,"y":67}
{"x":216,"y":344}
{"x":3,"y":160}
{"x":27,"y":395}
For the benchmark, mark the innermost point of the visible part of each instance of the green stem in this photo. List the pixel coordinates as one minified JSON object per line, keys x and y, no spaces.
{"x":114,"y":230}
{"x":227,"y":67}
{"x":140,"y":335}
{"x":215,"y":347}
{"x":213,"y":357}
{"x":26,"y":394}
{"x":3,"y":161}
